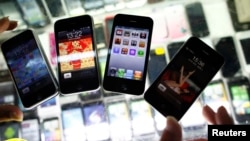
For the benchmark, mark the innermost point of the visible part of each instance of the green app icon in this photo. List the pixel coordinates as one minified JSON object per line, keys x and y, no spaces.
{"x":140,"y":53}
{"x":121,"y":72}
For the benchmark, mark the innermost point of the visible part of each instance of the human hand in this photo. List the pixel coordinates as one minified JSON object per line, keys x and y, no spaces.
{"x":173,"y":131}
{"x":9,"y":112}
{"x":7,"y":25}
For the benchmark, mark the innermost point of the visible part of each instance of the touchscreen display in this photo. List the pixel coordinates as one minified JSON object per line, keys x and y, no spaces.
{"x":246,"y":50}
{"x":76,"y":54}
{"x":141,"y":113}
{"x":128,"y":45}
{"x":28,"y":67}
{"x":96,"y":121}
{"x":73,"y":124}
{"x":51,"y":130}
{"x":241,"y":98}
{"x":30,"y":130}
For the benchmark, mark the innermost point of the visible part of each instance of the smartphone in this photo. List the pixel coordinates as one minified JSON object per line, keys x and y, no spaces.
{"x":30,"y":129}
{"x":100,"y":35}
{"x":96,"y":121}
{"x":30,"y":69}
{"x":76,"y":55}
{"x":56,"y":8}
{"x":10,"y":130}
{"x":51,"y":129}
{"x":128,"y":54}
{"x":239,"y":93}
{"x":156,"y":63}
{"x":141,"y":113}
{"x":216,"y":95}
{"x":239,"y":17}
{"x":176,"y":21}
{"x":119,"y":119}
{"x":49,"y":107}
{"x":243,"y":41}
{"x":184,"y":78}
{"x":197,"y":19}
{"x":227,"y":47}
{"x":72,"y":121}
{"x":173,"y":48}
{"x":33,"y":13}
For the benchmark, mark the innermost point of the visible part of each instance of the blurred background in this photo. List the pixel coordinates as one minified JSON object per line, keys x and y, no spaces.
{"x":105,"y":116}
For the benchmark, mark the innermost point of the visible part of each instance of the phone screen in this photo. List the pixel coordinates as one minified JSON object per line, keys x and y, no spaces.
{"x":226,"y":47}
{"x":245,"y":43}
{"x":73,"y":124}
{"x":33,"y":13}
{"x":96,"y":121}
{"x":9,"y":131}
{"x":173,"y":48}
{"x":241,"y":7}
{"x":197,"y":19}
{"x":239,"y":90}
{"x":119,"y":120}
{"x":29,"y":68}
{"x":30,"y":129}
{"x":141,"y":113}
{"x":180,"y":83}
{"x":157,"y":62}
{"x":52,"y":130}
{"x":215,"y":95}
{"x":77,"y":63}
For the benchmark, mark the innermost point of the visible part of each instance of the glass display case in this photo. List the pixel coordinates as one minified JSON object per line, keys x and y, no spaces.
{"x":222,"y":24}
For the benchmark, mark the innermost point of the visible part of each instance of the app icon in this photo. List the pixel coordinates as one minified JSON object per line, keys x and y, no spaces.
{"x":142,"y":44}
{"x":121,"y":72}
{"x":118,"y":41}
{"x":132,"y":52}
{"x":124,"y":51}
{"x":126,"y":33}
{"x":135,"y":34}
{"x":67,"y":75}
{"x":138,"y":75}
{"x":119,"y":32}
{"x":125,"y":42}
{"x":140,"y":53}
{"x":143,"y":35}
{"x":112,"y":71}
{"x":116,"y":50}
{"x":129,"y":74}
{"x":133,"y":42}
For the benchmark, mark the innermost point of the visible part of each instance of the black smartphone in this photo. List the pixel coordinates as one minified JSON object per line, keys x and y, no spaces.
{"x":118,"y":115}
{"x":9,"y":130}
{"x":184,"y":78}
{"x":95,"y":119}
{"x":215,"y":95}
{"x":72,"y":122}
{"x":239,"y":92}
{"x":173,"y":48}
{"x":128,"y":54}
{"x":30,"y":129}
{"x":76,"y":55}
{"x":140,"y":113}
{"x":29,"y":68}
{"x":33,"y":12}
{"x":227,"y":48}
{"x":197,"y":19}
{"x":239,"y":15}
{"x":51,"y":129}
{"x":157,"y":62}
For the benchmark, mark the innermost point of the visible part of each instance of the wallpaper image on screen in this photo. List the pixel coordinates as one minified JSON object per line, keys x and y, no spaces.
{"x":27,"y":66}
{"x":128,"y":45}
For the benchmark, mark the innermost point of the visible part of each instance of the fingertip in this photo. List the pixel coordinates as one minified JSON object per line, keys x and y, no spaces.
{"x":223,"y":117}
{"x":209,"y":114}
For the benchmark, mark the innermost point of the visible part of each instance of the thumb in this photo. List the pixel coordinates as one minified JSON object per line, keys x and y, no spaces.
{"x":172,"y":131}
